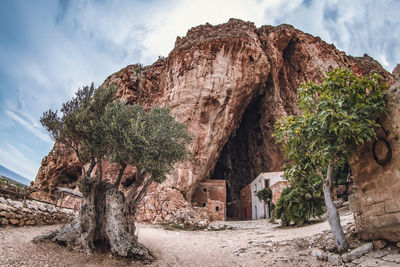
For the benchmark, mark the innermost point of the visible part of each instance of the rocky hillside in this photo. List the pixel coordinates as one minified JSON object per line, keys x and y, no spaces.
{"x":229,"y":84}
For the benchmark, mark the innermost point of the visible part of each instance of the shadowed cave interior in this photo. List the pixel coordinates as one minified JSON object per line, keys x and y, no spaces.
{"x":244,"y":156}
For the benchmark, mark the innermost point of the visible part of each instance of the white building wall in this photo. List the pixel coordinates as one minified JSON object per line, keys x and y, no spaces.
{"x":258,"y":184}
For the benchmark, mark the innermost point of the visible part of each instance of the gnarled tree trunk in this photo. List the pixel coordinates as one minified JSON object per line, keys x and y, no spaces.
{"x":104,"y":221}
{"x":333,"y":215}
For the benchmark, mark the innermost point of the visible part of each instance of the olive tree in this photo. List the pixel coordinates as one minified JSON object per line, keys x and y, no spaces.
{"x":335,"y":118}
{"x":98,"y":127}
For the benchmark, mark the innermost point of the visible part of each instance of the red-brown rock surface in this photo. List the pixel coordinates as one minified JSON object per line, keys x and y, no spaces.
{"x":229,"y":84}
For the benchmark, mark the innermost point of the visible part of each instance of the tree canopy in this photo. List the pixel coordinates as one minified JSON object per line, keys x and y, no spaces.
{"x":96,"y":125}
{"x":336,"y":117}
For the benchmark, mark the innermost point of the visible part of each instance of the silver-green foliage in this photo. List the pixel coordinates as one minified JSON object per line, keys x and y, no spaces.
{"x":96,"y":126}
{"x":152,"y":140}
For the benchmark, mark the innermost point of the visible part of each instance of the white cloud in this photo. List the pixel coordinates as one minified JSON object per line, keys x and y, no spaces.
{"x":178,"y":19}
{"x":30,"y":126}
{"x":15,"y":160}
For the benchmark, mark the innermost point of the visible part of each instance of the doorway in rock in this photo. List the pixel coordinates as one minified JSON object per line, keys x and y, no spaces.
{"x":243,"y":157}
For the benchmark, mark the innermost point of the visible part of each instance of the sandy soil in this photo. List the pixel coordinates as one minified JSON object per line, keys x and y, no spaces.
{"x":249,"y":243}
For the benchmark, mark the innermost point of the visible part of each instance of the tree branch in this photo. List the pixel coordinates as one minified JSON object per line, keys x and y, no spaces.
{"x":142,"y":193}
{"x":139,"y":181}
{"x":91,"y":167}
{"x":100,"y":169}
{"x":121,"y":172}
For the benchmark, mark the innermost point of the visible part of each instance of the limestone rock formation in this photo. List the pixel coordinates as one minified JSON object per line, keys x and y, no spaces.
{"x":229,"y":84}
{"x":376,"y":202}
{"x":60,"y":167}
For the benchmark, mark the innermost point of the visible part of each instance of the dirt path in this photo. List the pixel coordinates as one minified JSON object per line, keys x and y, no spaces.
{"x":250,"y":243}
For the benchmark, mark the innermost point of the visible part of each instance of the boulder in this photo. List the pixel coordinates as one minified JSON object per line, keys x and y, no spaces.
{"x":379,"y":244}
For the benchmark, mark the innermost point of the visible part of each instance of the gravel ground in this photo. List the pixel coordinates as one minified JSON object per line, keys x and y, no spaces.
{"x":236,"y":243}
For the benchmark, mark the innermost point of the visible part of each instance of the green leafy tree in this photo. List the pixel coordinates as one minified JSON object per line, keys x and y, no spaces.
{"x":265,"y":194}
{"x":335,"y":118}
{"x":99,"y":127}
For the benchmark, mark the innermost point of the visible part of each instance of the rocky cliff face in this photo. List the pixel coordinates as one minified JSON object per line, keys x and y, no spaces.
{"x":229,"y":84}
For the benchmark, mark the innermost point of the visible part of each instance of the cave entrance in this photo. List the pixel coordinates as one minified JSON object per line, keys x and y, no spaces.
{"x":243,"y":157}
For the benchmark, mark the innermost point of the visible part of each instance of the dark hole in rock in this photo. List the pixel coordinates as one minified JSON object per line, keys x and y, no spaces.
{"x":244,"y":156}
{"x":128,"y":181}
{"x":216,"y":208}
{"x":62,"y":243}
{"x":251,"y":58}
{"x":204,"y":204}
{"x":69,"y":177}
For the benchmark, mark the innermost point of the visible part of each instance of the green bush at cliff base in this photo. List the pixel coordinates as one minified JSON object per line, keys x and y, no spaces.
{"x":301,"y":202}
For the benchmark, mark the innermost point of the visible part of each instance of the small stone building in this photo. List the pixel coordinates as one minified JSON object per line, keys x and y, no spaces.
{"x":211,"y":195}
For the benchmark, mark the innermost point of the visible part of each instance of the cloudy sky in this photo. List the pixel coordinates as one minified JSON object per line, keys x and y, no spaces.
{"x":50,"y":48}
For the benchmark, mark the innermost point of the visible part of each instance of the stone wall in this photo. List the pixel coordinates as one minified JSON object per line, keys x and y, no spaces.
{"x":13,"y":212}
{"x":167,"y":205}
{"x":276,"y":189}
{"x":376,"y":201}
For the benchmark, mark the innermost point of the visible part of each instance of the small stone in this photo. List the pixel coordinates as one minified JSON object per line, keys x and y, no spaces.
{"x":319,"y":254}
{"x":10,"y":215}
{"x":334,"y":259}
{"x":21,"y":222}
{"x":13,"y":221}
{"x":3,"y":221}
{"x":4,"y":207}
{"x":16,"y":204}
{"x":30,"y":222}
{"x":379,"y":244}
{"x":398,"y":244}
